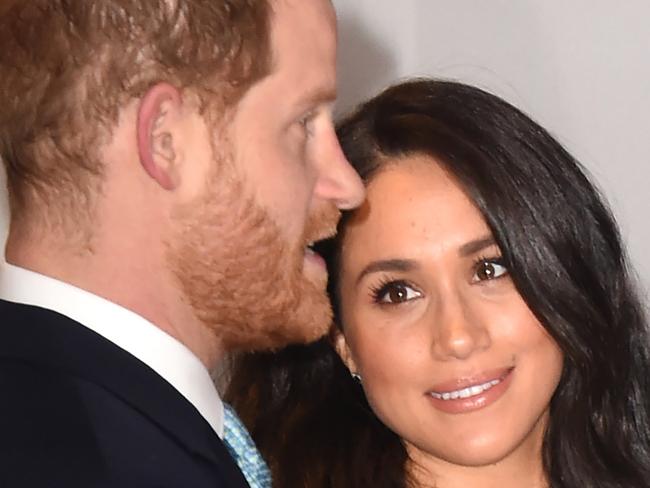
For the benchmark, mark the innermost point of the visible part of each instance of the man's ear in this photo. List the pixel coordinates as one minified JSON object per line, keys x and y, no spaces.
{"x":343,"y":350}
{"x":158,"y":134}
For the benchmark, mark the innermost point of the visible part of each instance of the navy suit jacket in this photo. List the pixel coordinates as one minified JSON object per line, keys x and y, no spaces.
{"x":78,"y":411}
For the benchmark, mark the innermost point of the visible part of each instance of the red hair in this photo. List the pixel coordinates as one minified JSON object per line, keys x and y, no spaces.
{"x":68,"y":66}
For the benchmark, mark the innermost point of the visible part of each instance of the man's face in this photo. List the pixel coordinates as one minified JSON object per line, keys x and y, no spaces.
{"x":277,"y":181}
{"x":283,"y":135}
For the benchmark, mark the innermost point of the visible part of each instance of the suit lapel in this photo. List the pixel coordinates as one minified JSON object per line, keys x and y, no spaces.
{"x":47,"y":338}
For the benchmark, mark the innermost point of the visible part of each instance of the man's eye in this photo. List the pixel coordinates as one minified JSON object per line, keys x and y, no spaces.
{"x":306,"y":122}
{"x":489,"y":270}
{"x":395,"y":292}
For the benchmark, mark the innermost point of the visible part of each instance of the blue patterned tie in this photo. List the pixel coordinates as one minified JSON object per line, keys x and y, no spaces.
{"x":242,"y":448}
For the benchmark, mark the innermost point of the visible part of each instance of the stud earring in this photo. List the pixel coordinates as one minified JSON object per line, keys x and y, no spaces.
{"x":356,"y":377}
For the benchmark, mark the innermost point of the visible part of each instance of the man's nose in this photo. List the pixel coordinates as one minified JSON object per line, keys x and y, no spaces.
{"x":338,"y":182}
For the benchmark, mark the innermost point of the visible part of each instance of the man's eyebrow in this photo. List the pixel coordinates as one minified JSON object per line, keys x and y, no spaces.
{"x":318,"y":96}
{"x":476,"y":245}
{"x":401,"y":265}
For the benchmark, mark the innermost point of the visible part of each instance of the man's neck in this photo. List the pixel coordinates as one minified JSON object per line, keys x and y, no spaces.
{"x":135,"y":284}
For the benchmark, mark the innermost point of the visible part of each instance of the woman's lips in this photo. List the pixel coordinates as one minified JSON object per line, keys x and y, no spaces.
{"x":467,"y":394}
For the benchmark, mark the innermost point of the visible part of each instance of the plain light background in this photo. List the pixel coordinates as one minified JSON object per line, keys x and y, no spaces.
{"x":580,"y":67}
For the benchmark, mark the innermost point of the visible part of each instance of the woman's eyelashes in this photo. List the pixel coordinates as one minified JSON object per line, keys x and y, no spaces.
{"x":394,"y":292}
{"x":391,"y":291}
{"x":487,"y":269}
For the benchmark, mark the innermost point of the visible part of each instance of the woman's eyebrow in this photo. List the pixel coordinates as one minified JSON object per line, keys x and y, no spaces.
{"x":402,"y":265}
{"x":476,"y":245}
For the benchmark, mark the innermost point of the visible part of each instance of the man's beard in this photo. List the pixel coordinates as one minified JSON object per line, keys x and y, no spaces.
{"x":242,"y":279}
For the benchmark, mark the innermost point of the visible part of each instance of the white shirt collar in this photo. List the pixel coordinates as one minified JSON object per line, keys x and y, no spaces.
{"x":124,"y":328}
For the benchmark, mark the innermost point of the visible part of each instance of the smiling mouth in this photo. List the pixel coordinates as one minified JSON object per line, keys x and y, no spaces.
{"x":470,"y":390}
{"x":465,"y":392}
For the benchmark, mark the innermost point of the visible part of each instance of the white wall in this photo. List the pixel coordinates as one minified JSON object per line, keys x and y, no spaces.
{"x":579,"y":67}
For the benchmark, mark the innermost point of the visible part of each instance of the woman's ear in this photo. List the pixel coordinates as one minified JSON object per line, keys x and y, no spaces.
{"x":343,"y":350}
{"x":159,"y":135}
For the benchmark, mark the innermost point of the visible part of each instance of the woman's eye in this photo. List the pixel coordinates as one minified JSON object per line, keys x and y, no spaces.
{"x":489,"y":270}
{"x":395,"y":292}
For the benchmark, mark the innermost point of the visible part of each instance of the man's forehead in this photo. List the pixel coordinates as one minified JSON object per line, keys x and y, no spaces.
{"x":322,"y":8}
{"x":302,"y":37}
{"x":324,"y":3}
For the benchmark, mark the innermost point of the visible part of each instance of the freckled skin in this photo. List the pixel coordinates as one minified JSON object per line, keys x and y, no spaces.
{"x":458,"y":326}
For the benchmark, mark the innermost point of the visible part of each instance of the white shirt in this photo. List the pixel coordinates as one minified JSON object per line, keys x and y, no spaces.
{"x":124,"y":328}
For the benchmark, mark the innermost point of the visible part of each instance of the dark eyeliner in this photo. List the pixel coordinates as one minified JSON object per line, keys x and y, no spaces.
{"x":490,"y":259}
{"x":495,"y":259}
{"x":378,"y":291}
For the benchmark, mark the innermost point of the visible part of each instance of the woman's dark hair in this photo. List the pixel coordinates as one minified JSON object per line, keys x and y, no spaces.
{"x":564,"y":254}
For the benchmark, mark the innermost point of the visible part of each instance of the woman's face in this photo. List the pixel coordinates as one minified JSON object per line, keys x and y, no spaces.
{"x":450,"y":356}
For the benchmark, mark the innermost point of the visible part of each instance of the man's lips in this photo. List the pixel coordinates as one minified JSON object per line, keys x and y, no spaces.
{"x":327,"y":232}
{"x":316,"y":241}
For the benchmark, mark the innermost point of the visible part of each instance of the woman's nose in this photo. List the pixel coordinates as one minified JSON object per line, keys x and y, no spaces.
{"x":458,"y":331}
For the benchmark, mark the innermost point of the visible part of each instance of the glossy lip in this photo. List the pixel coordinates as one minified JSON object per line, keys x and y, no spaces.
{"x":477,"y":402}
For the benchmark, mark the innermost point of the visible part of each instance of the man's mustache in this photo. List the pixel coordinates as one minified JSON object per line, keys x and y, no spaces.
{"x":321,"y":224}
